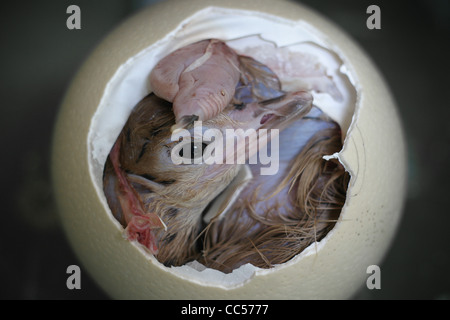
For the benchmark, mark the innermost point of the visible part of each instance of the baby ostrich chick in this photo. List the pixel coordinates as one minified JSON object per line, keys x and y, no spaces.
{"x":160,"y":203}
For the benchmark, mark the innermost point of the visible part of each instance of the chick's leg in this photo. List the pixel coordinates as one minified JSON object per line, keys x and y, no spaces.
{"x":140,"y":224}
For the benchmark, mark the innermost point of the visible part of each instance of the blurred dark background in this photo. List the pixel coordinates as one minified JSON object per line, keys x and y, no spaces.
{"x":39,"y":56}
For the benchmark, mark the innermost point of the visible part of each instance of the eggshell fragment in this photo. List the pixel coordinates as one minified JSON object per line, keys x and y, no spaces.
{"x":373,"y":153}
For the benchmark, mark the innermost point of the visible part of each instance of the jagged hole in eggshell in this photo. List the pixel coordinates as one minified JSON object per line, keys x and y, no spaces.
{"x":244,"y":31}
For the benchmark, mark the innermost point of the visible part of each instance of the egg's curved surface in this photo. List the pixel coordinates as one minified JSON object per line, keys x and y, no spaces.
{"x":373,"y":153}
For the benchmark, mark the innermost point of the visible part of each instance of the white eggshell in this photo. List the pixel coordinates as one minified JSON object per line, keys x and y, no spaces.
{"x":373,"y":153}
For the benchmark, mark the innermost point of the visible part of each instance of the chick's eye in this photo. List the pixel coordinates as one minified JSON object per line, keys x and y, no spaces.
{"x":192,"y":150}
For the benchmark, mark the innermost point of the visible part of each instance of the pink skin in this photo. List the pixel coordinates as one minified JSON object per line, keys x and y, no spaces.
{"x":200,"y":79}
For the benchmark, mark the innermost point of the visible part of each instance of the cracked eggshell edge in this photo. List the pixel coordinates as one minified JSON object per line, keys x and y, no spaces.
{"x":374,"y":152}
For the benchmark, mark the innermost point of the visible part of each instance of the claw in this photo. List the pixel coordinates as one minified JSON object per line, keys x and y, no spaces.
{"x":184,"y":122}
